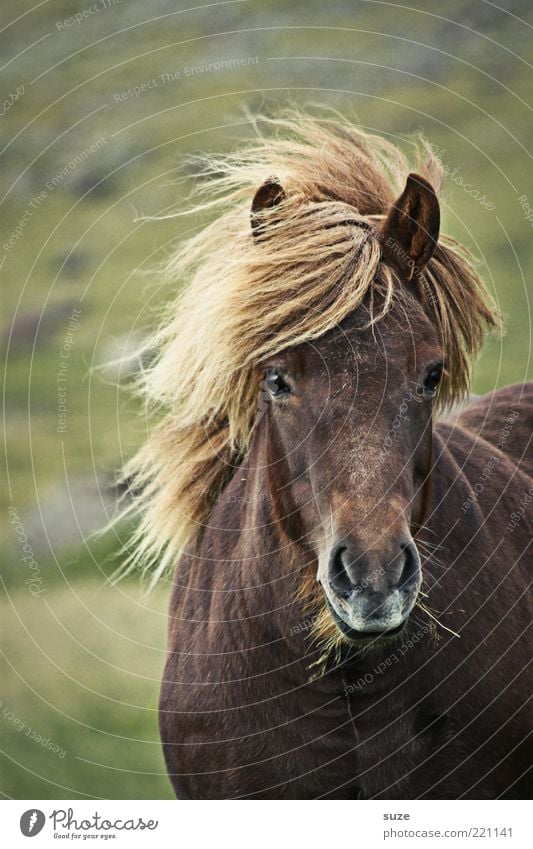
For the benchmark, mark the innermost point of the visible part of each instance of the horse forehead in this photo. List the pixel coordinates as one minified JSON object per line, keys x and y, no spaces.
{"x":388,"y":346}
{"x":356,"y":353}
{"x":365,"y":339}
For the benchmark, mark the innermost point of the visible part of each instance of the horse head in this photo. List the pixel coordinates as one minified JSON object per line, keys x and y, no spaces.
{"x":348,"y":428}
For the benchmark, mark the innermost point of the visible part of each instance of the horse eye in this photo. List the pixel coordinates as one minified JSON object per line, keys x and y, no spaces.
{"x":275,"y":384}
{"x":432,"y":381}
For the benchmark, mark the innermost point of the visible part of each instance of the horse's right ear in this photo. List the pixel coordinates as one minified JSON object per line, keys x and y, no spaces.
{"x":410,"y":231}
{"x":269,"y":195}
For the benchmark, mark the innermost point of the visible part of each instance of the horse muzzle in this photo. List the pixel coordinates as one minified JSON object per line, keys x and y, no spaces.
{"x":371,"y":593}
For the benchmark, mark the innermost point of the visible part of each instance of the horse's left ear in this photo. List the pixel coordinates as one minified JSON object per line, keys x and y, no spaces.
{"x":410,"y":231}
{"x":268,"y":195}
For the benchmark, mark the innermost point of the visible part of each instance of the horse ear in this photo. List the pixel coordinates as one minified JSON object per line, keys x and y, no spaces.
{"x":269,"y":195}
{"x":411,"y":229}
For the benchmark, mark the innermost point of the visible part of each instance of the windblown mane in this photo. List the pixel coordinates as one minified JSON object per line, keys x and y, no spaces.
{"x":242,"y":300}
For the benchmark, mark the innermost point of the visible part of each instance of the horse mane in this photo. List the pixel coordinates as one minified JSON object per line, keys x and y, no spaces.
{"x":242,"y":300}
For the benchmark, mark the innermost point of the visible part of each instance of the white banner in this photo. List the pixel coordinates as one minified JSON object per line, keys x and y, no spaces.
{"x":266,"y":825}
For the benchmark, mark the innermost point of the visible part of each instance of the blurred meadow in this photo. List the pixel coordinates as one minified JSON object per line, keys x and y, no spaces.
{"x":101,"y":102}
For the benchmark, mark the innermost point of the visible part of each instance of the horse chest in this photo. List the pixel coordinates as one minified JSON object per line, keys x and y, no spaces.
{"x":249,"y":723}
{"x":255,"y":740}
{"x":405,"y":746}
{"x":274,"y":735}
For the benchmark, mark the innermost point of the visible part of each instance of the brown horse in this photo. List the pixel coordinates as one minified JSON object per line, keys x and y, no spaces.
{"x":349,"y":616}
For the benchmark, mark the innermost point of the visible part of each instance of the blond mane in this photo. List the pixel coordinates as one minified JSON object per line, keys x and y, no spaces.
{"x":241,"y":301}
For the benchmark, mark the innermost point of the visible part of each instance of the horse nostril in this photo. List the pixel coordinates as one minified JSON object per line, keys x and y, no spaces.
{"x":410,"y":567}
{"x":338,"y":576}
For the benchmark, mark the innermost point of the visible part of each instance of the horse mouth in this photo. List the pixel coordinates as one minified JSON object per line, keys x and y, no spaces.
{"x":366,"y":637}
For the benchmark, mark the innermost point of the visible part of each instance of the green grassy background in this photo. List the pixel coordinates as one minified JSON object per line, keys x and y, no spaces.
{"x":82,"y":661}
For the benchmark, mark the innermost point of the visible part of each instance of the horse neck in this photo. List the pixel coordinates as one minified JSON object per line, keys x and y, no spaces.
{"x":254,"y":549}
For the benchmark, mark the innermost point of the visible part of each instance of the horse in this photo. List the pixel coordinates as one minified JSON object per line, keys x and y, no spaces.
{"x":348,"y":529}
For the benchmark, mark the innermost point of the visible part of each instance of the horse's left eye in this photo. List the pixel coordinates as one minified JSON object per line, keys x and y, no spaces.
{"x":275,"y":384}
{"x":432,"y":381}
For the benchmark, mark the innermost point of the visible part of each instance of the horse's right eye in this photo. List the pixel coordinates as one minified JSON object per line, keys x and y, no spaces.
{"x":432,"y":380}
{"x":276,"y":384}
